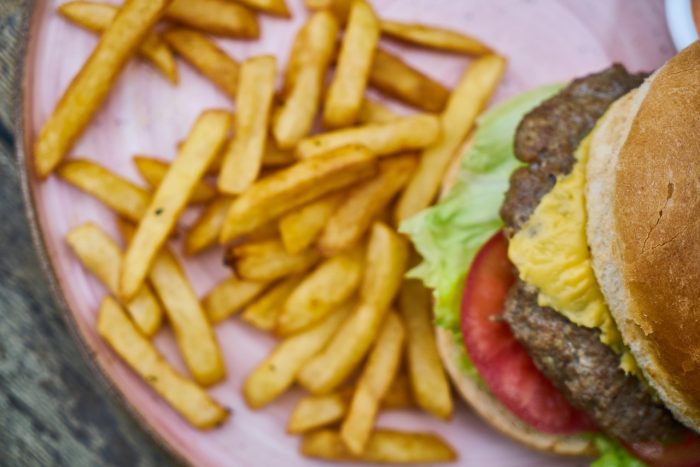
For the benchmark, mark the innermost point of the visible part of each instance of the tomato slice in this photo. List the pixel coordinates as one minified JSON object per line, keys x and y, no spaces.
{"x":502,"y":361}
{"x":684,"y":453}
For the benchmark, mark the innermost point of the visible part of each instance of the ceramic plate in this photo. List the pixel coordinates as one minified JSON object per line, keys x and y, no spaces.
{"x":545,"y":41}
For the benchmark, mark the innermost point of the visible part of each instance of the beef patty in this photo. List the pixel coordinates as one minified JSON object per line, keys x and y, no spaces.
{"x":573,"y":357}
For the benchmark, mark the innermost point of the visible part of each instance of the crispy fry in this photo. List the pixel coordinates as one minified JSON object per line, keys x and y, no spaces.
{"x":203,"y":142}
{"x":386,"y":446}
{"x":402,"y":134}
{"x":205,"y":231}
{"x":97,"y":17}
{"x":327,"y":287}
{"x":268,"y":260}
{"x":274,"y":375}
{"x":195,"y":336}
{"x":229,"y":297}
{"x":386,"y":263}
{"x":467,"y":100}
{"x":90,"y":87}
{"x":103,"y":257}
{"x":300,"y":228}
{"x":206,"y":57}
{"x":399,"y":396}
{"x":312,"y":52}
{"x":243,"y":158}
{"x":275,"y":157}
{"x":314,"y":412}
{"x":119,"y":194}
{"x":347,"y":88}
{"x":395,"y":78}
{"x":374,"y":383}
{"x":297,"y":185}
{"x":272,"y":7}
{"x":364,"y":203}
{"x":219,"y":17}
{"x":153,"y":171}
{"x":340,"y":8}
{"x":374,"y":112}
{"x":428,"y":380}
{"x":263,"y":312}
{"x":434,"y":37}
{"x":191,"y":401}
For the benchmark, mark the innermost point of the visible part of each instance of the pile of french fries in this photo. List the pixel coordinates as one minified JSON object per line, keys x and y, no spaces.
{"x":307,"y":216}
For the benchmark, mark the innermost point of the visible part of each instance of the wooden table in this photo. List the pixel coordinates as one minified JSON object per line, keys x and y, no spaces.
{"x":52,"y":411}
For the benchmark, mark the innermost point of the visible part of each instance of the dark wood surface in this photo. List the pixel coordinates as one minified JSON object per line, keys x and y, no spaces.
{"x":52,"y":409}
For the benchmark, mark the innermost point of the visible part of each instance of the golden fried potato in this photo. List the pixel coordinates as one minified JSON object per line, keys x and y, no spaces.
{"x":219,"y":17}
{"x":153,"y":172}
{"x":301,"y":227}
{"x":271,"y":7}
{"x":264,"y":311}
{"x":313,"y":412}
{"x":268,"y":260}
{"x":374,"y":112}
{"x":230,"y":296}
{"x":434,"y":37}
{"x":206,"y":230}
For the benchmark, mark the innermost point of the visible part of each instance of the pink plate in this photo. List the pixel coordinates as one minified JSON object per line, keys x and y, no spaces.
{"x":545,"y":41}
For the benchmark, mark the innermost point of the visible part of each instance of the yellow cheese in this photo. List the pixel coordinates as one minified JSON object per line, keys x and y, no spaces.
{"x":551,"y":253}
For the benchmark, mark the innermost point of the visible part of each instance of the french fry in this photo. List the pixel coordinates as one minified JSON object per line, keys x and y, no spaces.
{"x":119,"y":194}
{"x":268,"y":260}
{"x":263,"y":312}
{"x":195,"y":336}
{"x":169,"y":200}
{"x":153,"y":171}
{"x":315,"y":412}
{"x":271,"y":7}
{"x":374,"y":112}
{"x":218,"y":17}
{"x":428,"y":380}
{"x":399,"y":396}
{"x":312,"y":52}
{"x":229,"y":297}
{"x":274,"y":375}
{"x":205,"y":231}
{"x":386,"y":263}
{"x":97,"y":17}
{"x":244,"y":156}
{"x":340,"y":8}
{"x":300,"y":228}
{"x":183,"y":395}
{"x":102,"y":256}
{"x":347,"y":88}
{"x":289,"y":188}
{"x":468,"y":99}
{"x":393,"y":77}
{"x":434,"y":37}
{"x":364,"y":203}
{"x":206,"y":57}
{"x":379,"y":372}
{"x":93,"y":82}
{"x":326,"y":288}
{"x":387,"y":446}
{"x":275,"y":157}
{"x":402,"y":134}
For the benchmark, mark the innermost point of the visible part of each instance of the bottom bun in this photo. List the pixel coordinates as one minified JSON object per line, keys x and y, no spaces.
{"x":494,"y":413}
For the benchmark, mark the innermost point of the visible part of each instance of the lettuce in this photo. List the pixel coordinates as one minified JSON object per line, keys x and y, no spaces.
{"x":613,"y":454}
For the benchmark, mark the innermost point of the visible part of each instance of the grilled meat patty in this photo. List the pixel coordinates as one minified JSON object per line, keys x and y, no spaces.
{"x":573,"y":357}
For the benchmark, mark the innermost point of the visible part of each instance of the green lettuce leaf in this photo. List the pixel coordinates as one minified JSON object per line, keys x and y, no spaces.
{"x":613,"y":454}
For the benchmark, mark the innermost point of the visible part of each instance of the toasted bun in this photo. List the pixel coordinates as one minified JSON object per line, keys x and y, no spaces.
{"x":643,"y":201}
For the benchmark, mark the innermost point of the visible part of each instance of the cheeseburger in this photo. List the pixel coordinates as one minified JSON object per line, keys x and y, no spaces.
{"x":565,"y":263}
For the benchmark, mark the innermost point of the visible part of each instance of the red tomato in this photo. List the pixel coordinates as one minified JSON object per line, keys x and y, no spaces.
{"x":502,"y":361}
{"x":685,"y":453}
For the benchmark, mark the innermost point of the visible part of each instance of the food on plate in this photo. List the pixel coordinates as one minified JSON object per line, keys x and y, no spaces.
{"x":302,"y":226}
{"x":125,"y":198}
{"x":347,"y":88}
{"x":264,"y":311}
{"x":402,"y":134}
{"x":268,"y":260}
{"x":292,"y":187}
{"x":102,"y":256}
{"x":153,"y":172}
{"x":399,"y":395}
{"x":93,"y":82}
{"x":575,"y":210}
{"x":394,"y":77}
{"x":206,"y":57}
{"x":202,"y":144}
{"x":243,"y":158}
{"x":230,"y":296}
{"x":206,"y":230}
{"x":220,"y":17}
{"x":314,"y":412}
{"x":388,"y":446}
{"x":97,"y":17}
{"x":272,"y":7}
{"x":375,"y":380}
{"x":190,"y":400}
{"x":340,"y":8}
{"x":434,"y":37}
{"x":364,"y":203}
{"x":463,"y":106}
{"x":374,"y":112}
{"x":312,"y":52}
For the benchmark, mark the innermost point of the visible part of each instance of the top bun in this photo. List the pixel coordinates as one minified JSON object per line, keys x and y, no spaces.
{"x":643,"y":202}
